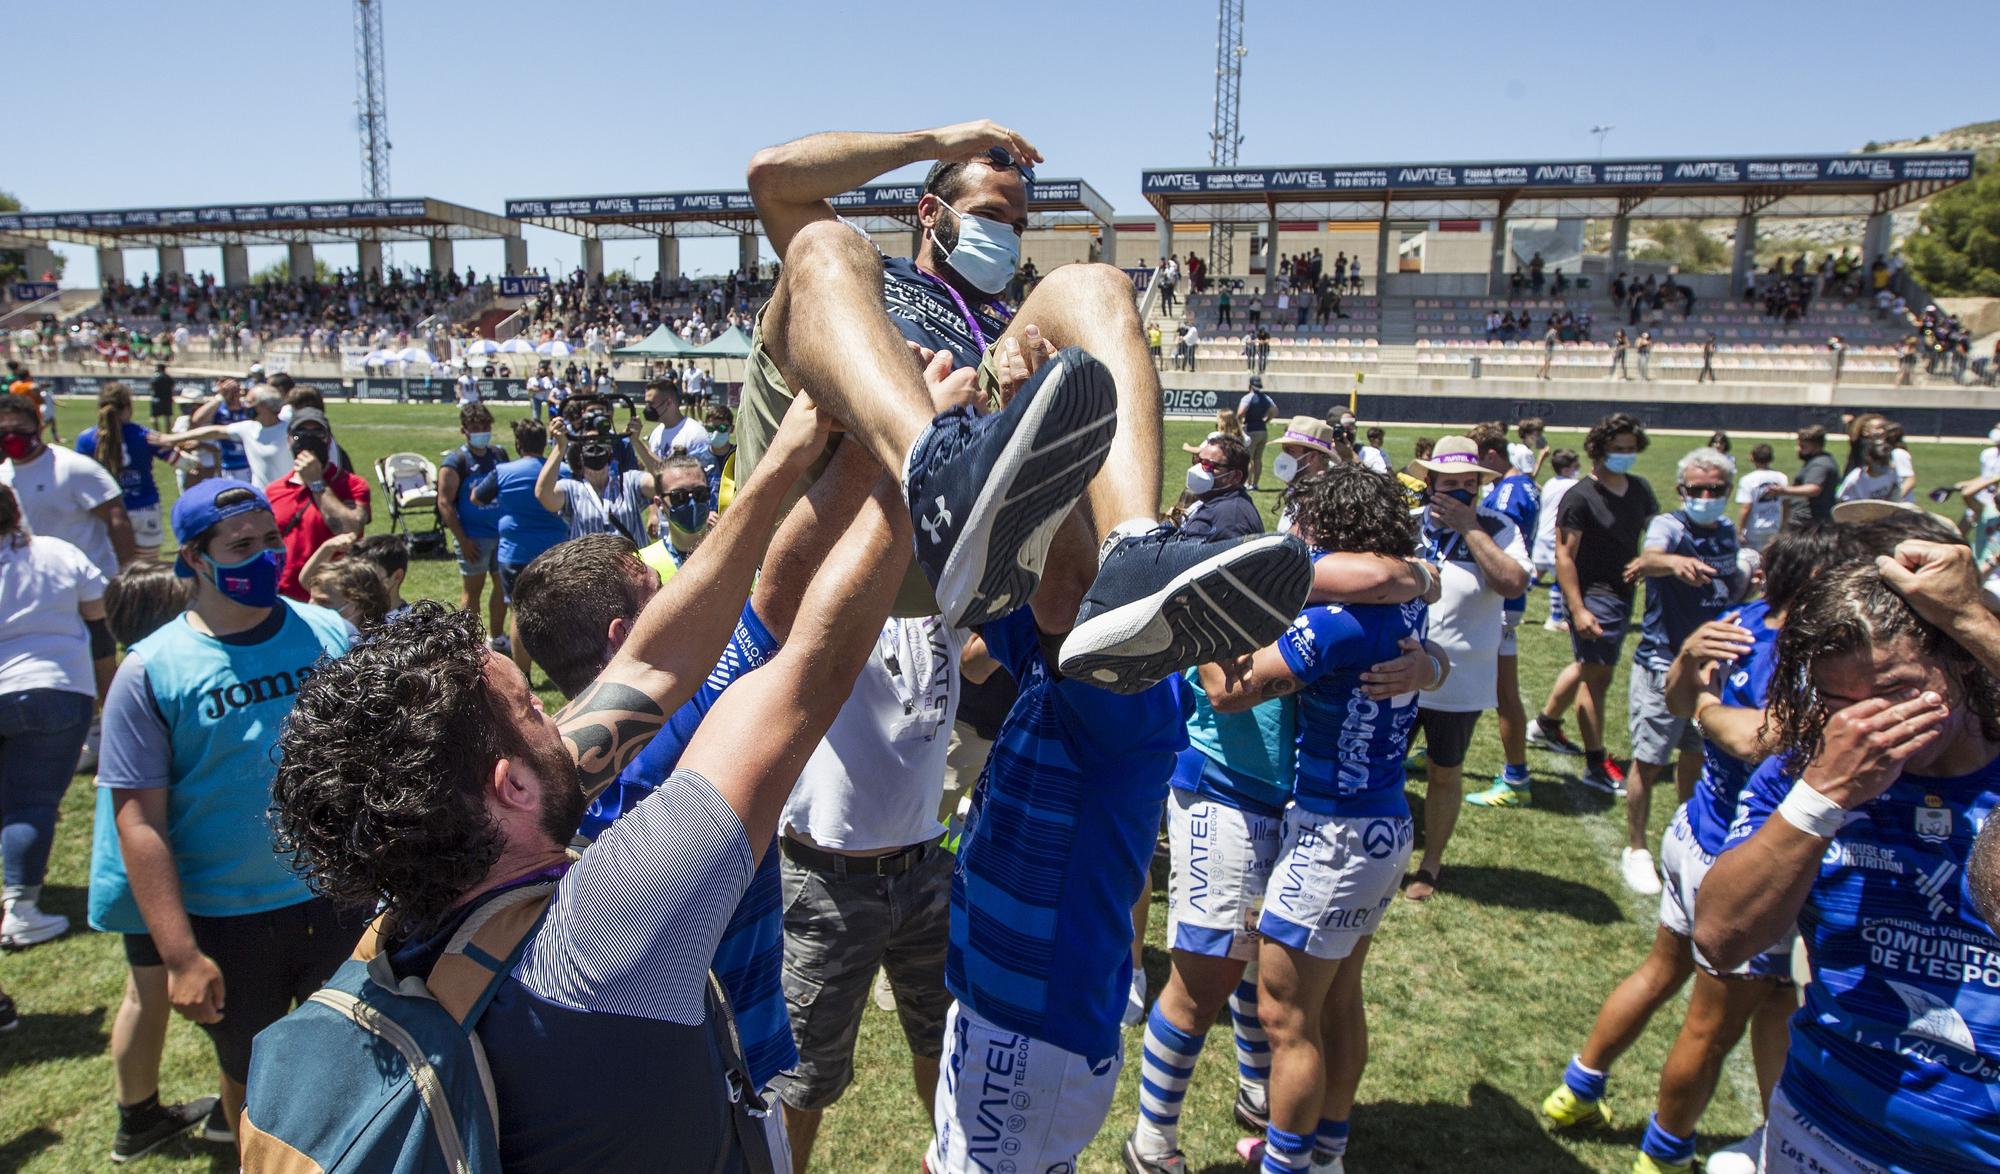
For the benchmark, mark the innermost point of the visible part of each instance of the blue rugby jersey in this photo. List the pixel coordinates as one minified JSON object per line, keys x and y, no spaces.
{"x":1713,"y":804}
{"x":1351,"y":746}
{"x":1674,"y":609}
{"x":1518,"y":497}
{"x":750,"y":958}
{"x":1056,"y":848}
{"x":1896,"y":1053}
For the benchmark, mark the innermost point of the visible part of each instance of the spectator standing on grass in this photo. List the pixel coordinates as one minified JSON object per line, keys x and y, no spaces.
{"x":475,"y":527}
{"x":1525,"y":455}
{"x":261,"y":439}
{"x":162,"y":388}
{"x":1761,"y":517}
{"x":316,"y":500}
{"x":1818,"y":481}
{"x":62,"y":493}
{"x":1255,"y":411}
{"x":1874,"y":479}
{"x":126,"y":452}
{"x":1563,"y":463}
{"x":184,"y":865}
{"x":1598,"y":529}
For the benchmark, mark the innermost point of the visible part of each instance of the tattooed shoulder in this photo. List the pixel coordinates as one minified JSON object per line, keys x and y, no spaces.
{"x":605,"y":727}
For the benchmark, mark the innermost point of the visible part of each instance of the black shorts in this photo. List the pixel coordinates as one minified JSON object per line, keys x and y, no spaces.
{"x":508,"y":573}
{"x":1447,"y":736}
{"x":270,"y":962}
{"x":1613,"y":611}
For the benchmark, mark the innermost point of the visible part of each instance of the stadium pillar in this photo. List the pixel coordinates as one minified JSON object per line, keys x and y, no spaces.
{"x":1496,"y":261}
{"x":746,"y":253}
{"x":1166,"y":235}
{"x":235,"y":265}
{"x":1877,"y":238}
{"x":1743,"y":254}
{"x":368,"y":258}
{"x":1620,"y":228}
{"x":515,"y":255}
{"x":1381,"y":251}
{"x":1107,"y":243}
{"x":39,"y":261}
{"x":110,"y":266}
{"x":299,"y":259}
{"x":592,"y":256}
{"x":441,"y":254}
{"x":670,"y":257}
{"x":171,"y":260}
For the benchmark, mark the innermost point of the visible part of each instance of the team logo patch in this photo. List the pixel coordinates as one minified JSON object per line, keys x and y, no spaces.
{"x":1378,"y":839}
{"x":1933,"y":821}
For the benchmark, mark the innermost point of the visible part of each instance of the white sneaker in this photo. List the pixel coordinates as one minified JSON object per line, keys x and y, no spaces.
{"x":25,"y":925}
{"x":1135,"y":999}
{"x":884,"y":994}
{"x":1640,"y":876}
{"x":1741,"y":1158}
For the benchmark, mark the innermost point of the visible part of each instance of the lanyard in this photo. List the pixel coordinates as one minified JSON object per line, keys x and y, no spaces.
{"x":971,"y":319}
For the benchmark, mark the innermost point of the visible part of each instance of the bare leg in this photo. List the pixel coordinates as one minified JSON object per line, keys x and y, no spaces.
{"x":1510,"y":713}
{"x":1291,"y":1001}
{"x":1562,"y":694}
{"x":801,"y":1129}
{"x":470,"y":589}
{"x":1346,"y":1027}
{"x":1771,"y":1038}
{"x":1596,"y":681}
{"x":1090,"y":306}
{"x":1718,"y":1011}
{"x":232,"y":1105}
{"x":1630,"y":1006}
{"x":1067,"y":575}
{"x":1639,"y":800}
{"x":1443,"y":796}
{"x":826,"y":330}
{"x":496,"y":611}
{"x":1687,"y":772}
{"x":1197,"y":989}
{"x":139,"y":1034}
{"x":925,"y":1070}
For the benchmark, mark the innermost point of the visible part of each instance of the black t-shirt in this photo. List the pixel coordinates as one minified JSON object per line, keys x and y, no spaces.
{"x":1610,"y":525}
{"x":1821,"y":470}
{"x":163,"y":388}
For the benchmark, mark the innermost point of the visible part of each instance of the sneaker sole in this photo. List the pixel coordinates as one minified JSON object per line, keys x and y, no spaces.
{"x":1058,"y":446}
{"x":1544,"y":744}
{"x":1249,"y":1120}
{"x":1234,"y":603}
{"x":21,"y":941}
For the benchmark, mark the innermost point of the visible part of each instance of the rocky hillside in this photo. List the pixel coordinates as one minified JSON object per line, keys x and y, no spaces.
{"x":1784,"y":236}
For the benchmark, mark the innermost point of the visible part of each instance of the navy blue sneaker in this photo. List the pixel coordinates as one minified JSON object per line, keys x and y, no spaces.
{"x":1164,"y":601}
{"x":986,"y":493}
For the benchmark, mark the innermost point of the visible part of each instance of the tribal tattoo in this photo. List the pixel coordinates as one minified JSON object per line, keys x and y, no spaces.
{"x":605,"y":727}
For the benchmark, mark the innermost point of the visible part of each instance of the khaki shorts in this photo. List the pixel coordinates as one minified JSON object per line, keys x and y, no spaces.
{"x":766,"y":397}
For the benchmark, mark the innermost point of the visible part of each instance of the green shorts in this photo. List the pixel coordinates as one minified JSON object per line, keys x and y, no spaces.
{"x":766,"y":398}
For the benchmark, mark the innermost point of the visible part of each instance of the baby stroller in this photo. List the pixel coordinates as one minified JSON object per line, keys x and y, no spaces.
{"x":410,"y":484}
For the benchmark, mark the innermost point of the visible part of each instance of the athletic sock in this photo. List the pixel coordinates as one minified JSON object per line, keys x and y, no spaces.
{"x":1170,"y":1055}
{"x":1594,"y":758}
{"x":1665,"y":1147}
{"x":1253,"y":1047}
{"x":1285,"y":1153}
{"x":1586,"y":1083}
{"x":1129,"y":528}
{"x":135,"y":1116}
{"x":1330,"y":1141}
{"x":1515,"y":774}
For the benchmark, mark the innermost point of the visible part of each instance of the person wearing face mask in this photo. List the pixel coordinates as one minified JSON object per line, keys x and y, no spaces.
{"x":260,"y":438}
{"x":685,"y":507}
{"x":475,"y":526}
{"x":1690,"y":567}
{"x":316,"y":500}
{"x":181,"y":861}
{"x":721,"y":425}
{"x":674,"y":431}
{"x":63,"y":493}
{"x":1221,"y":507}
{"x":1305,"y":446}
{"x":1598,"y":527}
{"x":594,"y":498}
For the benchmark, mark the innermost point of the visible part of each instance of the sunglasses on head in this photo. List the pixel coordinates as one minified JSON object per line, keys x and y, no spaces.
{"x":684,"y":496}
{"x":1004,"y":159}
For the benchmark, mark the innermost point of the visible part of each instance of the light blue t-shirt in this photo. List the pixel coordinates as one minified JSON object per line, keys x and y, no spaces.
{"x":199,"y":715}
{"x":1247,"y":758}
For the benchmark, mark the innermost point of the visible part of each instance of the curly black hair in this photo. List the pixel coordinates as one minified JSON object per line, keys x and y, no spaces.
{"x":1597,"y":441}
{"x":383,"y":766}
{"x":1847,"y":611}
{"x":1352,"y":508}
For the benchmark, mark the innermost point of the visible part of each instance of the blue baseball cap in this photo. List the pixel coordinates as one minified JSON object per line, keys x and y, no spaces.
{"x":196,"y":513}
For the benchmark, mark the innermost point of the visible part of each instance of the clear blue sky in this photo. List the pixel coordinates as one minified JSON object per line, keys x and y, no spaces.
{"x":167,"y":104}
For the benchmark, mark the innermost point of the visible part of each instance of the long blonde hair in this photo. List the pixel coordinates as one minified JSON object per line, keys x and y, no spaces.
{"x":1227,"y":423}
{"x":113,"y":402}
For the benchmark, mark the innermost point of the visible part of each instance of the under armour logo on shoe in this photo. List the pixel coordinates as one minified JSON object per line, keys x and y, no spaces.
{"x":931,"y":525}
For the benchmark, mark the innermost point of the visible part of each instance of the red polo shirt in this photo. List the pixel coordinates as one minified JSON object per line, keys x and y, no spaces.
{"x":304,"y":528}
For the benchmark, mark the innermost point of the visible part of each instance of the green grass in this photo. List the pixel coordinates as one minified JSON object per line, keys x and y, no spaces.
{"x":1476,"y":999}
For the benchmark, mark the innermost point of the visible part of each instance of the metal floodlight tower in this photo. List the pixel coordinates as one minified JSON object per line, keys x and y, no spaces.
{"x":1223,"y":136}
{"x":370,"y":98}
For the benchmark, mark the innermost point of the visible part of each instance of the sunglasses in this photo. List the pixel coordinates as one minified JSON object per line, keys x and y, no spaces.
{"x":1004,"y":159}
{"x":684,"y":496}
{"x":1704,"y":491}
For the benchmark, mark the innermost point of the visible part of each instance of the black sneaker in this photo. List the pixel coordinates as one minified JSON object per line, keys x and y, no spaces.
{"x":1138,"y":1163}
{"x":1598,"y":779}
{"x":9,"y":1017}
{"x":986,"y":493}
{"x":167,"y":1123}
{"x":1165,"y":601}
{"x":217,"y":1129}
{"x":1554,"y":742}
{"x":1252,"y":1113}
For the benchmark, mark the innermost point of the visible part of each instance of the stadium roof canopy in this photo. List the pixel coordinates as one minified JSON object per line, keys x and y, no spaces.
{"x":880,"y":207}
{"x":318,"y":223}
{"x":1763,"y":185}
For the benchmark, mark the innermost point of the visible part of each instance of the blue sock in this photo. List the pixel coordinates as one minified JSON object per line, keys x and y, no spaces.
{"x":1253,"y":1047}
{"x":1331,"y":1140}
{"x":1166,"y":1066}
{"x":1587,"y":1085}
{"x":1516,"y":776}
{"x":1664,"y":1146}
{"x":1285,"y":1153}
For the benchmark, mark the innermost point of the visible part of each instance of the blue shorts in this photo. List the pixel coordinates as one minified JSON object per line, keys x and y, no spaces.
{"x":488,"y":561}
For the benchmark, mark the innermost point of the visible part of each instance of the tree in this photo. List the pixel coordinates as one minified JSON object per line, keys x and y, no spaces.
{"x":1955,"y":251}
{"x":281,"y":270}
{"x":14,"y":262}
{"x":1684,"y":244}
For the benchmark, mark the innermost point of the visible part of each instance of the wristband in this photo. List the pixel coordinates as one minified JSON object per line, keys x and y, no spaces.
{"x":1811,"y":812}
{"x":1424,"y":576}
{"x":1437,"y":673}
{"x":316,"y":486}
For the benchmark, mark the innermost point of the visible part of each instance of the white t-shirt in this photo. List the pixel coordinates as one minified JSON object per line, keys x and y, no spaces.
{"x":43,"y":643}
{"x":1899,"y":460}
{"x":58,"y":490}
{"x":1374,"y":458}
{"x":268,"y":449}
{"x":875,"y":780}
{"x":1545,"y":523}
{"x":1862,"y":485}
{"x":1766,"y":517}
{"x":686,"y":435}
{"x":1465,"y":621}
{"x":1521,"y":457}
{"x":468,"y":388}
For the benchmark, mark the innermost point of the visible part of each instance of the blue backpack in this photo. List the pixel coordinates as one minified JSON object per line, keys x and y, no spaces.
{"x":373,"y":1074}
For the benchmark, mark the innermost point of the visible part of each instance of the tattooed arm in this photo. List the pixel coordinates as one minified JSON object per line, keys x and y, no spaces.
{"x":1242,"y":682}
{"x":680,"y":634}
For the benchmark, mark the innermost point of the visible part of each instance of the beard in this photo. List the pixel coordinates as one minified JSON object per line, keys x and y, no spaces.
{"x":563,"y":800}
{"x":944,"y":237}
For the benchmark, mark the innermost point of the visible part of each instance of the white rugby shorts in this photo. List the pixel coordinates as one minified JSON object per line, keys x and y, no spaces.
{"x":1222,"y":859}
{"x":1006,"y":1102}
{"x":1334,"y":879}
{"x":1683,"y":865}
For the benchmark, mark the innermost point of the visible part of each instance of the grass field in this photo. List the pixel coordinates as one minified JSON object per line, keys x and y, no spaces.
{"x":1476,"y":999}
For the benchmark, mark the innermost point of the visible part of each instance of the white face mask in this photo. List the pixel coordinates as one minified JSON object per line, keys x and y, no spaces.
{"x":1199,"y":480}
{"x":987,"y":252}
{"x":1285,"y":467}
